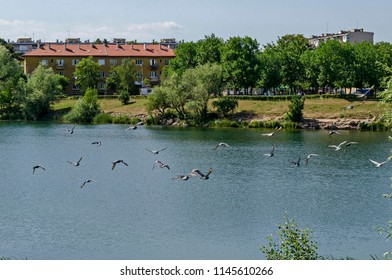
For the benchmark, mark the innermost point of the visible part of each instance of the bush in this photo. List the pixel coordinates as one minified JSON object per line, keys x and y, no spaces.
{"x":293,"y":243}
{"x":124,"y":97}
{"x":103,"y":118}
{"x":225,"y":105}
{"x":294,"y":113}
{"x":85,"y":109}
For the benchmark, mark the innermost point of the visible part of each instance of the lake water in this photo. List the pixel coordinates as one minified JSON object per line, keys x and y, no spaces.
{"x":137,"y":212}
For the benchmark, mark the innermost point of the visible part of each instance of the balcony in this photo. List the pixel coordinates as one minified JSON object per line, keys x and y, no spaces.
{"x":153,"y":66}
{"x":60,"y":67}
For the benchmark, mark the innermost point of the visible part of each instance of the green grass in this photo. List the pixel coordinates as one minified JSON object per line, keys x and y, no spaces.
{"x":330,"y":108}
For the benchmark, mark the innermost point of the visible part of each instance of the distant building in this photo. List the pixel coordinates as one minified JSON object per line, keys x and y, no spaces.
{"x":23,"y":45}
{"x":351,"y":36}
{"x":149,"y":59}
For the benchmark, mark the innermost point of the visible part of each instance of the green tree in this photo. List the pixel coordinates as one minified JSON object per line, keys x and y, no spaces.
{"x":240,"y":63}
{"x":122,"y":78}
{"x":158,"y":100}
{"x":295,"y":109}
{"x":12,"y":81}
{"x":365,"y":67}
{"x":225,"y":105}
{"x":270,"y":74}
{"x":208,"y":50}
{"x":42,"y":89}
{"x":185,"y":58}
{"x":86,"y":108}
{"x":290,"y":49}
{"x":293,"y":243}
{"x":87,"y":74}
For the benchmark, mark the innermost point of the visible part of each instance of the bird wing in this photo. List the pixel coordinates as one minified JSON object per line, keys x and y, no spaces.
{"x":162,"y":149}
{"x":84,"y":183}
{"x":312,"y":155}
{"x":375,"y":162}
{"x":79,"y":160}
{"x":125,"y":163}
{"x":344,"y":142}
{"x":113,"y":165}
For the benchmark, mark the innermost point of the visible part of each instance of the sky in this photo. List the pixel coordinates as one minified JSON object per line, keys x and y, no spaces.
{"x":147,"y":20}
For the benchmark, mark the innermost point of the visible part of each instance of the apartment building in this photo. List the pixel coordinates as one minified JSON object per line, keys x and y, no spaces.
{"x":150,"y":59}
{"x":350,"y":36}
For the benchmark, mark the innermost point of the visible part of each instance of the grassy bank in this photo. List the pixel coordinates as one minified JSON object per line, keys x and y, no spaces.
{"x":331,"y":108}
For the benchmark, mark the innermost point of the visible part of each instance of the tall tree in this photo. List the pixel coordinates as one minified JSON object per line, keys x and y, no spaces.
{"x":240,"y":64}
{"x":185,"y":57}
{"x":11,"y":81}
{"x":87,"y":74}
{"x":42,"y":89}
{"x":208,"y":50}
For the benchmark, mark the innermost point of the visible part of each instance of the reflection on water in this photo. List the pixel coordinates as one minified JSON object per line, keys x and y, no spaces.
{"x":137,"y":212}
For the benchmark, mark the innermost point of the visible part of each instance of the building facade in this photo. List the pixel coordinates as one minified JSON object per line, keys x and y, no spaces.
{"x":150,"y":59}
{"x":350,"y":36}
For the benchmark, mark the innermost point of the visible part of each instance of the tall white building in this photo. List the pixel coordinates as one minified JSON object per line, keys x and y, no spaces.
{"x":351,"y":36}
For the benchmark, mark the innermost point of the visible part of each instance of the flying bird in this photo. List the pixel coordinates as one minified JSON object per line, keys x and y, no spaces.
{"x":98,"y":143}
{"x":181,"y":177}
{"x":332,"y":132}
{"x":38,"y":166}
{"x":272,"y":133}
{"x":296,"y":163}
{"x":114,"y":163}
{"x":71,"y":131}
{"x":196,"y":172}
{"x":156,"y":151}
{"x":75,"y":163}
{"x":338,"y":147}
{"x":271,"y":154}
{"x":160,"y":164}
{"x":378,"y":164}
{"x":87,"y":181}
{"x":221,"y":145}
{"x":308,"y":157}
{"x":131,"y":128}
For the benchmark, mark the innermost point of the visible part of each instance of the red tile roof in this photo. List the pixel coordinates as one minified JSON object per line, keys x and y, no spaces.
{"x":134,"y":50}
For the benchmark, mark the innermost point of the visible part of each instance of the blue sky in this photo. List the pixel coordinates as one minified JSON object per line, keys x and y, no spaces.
{"x":263,"y":20}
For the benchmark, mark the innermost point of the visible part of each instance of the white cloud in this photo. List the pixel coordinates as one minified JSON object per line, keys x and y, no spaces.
{"x":154,"y":26}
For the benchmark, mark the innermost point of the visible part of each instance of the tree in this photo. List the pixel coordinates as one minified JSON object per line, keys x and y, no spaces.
{"x":296,"y":106}
{"x":86,"y":108}
{"x":158,"y":100}
{"x":365,"y":66}
{"x":185,"y":58}
{"x":42,"y":89}
{"x":293,"y":243}
{"x":208,"y":50}
{"x":290,"y":49}
{"x":87,"y":74}
{"x":12,"y":81}
{"x":240,"y":65}
{"x":122,"y":78}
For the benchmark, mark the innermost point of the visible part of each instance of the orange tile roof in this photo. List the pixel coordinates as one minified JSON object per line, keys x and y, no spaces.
{"x":110,"y":50}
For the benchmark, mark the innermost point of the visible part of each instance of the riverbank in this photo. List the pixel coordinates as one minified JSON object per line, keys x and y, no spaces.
{"x":320,"y":113}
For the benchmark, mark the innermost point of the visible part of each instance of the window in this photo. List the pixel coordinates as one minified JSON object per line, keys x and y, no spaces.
{"x":44,"y":62}
{"x":113,"y":62}
{"x":101,"y":61}
{"x":102,"y":74}
{"x":60,"y":62}
{"x":153,"y":62}
{"x":138,"y":62}
{"x":101,"y":86}
{"x":153,"y":74}
{"x":139,"y":74}
{"x":75,"y":61}
{"x":61,"y":73}
{"x":167,"y":61}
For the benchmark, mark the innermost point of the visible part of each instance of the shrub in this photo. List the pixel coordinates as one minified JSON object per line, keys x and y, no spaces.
{"x":103,"y":118}
{"x":293,"y":243}
{"x":225,"y":105}
{"x":85,"y":109}
{"x":296,"y":106}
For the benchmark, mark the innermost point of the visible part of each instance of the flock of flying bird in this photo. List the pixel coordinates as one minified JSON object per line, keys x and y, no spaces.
{"x":194,"y":172}
{"x":197,"y":172}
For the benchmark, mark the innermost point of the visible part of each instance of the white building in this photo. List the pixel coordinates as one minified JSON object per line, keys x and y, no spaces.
{"x":351,"y":36}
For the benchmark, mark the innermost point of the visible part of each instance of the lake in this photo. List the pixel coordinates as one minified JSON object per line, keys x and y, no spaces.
{"x":139,"y":212}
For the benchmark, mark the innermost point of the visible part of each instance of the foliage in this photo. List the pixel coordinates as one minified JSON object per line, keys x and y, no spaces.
{"x":12,"y":81}
{"x":296,"y":106}
{"x":293,"y":243}
{"x":42,"y":89}
{"x":103,"y":118}
{"x":225,"y":105}
{"x":86,"y":108}
{"x":87,"y":74}
{"x":158,"y":100}
{"x":122,"y":78}
{"x":239,"y":61}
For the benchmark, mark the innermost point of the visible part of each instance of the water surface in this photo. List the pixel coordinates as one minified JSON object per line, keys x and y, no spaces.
{"x":138,"y":212}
